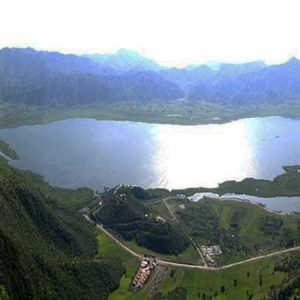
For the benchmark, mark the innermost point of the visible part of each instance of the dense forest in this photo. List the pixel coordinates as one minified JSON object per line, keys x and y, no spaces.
{"x":124,"y":211}
{"x":47,"y":251}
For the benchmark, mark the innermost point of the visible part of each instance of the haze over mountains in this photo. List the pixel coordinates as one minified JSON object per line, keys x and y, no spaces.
{"x":126,"y":60}
{"x":51,"y":78}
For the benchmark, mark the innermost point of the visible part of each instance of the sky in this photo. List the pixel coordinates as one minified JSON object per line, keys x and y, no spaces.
{"x":173,"y":32}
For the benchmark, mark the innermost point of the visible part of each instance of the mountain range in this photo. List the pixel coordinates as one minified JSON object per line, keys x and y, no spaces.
{"x":52,"y":78}
{"x":126,"y":60}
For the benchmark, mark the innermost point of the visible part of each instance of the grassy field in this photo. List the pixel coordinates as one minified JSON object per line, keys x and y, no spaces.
{"x":183,"y":113}
{"x":5,"y":149}
{"x":108,"y":248}
{"x":189,"y":256}
{"x":240,"y":282}
{"x":162,"y":209}
{"x":241,"y":229}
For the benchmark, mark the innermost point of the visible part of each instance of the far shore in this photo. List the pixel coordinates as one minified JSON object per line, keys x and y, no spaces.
{"x":175,"y":113}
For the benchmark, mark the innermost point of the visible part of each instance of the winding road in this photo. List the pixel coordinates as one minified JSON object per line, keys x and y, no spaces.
{"x":191,"y":266}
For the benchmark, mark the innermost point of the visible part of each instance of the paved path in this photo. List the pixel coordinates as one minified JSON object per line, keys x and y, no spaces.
{"x":191,"y":266}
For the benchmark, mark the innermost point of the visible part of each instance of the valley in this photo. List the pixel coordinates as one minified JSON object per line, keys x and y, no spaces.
{"x":254,"y":242}
{"x":149,"y":150}
{"x":250,"y":278}
{"x":181,"y":137}
{"x":178,"y":113}
{"x":241,"y":229}
{"x":43,"y":86}
{"x":260,"y":252}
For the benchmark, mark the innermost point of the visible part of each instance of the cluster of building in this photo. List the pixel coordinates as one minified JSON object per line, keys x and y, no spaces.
{"x":146,"y":268}
{"x":209,"y":253}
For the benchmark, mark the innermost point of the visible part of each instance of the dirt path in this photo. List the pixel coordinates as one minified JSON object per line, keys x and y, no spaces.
{"x":164,"y":200}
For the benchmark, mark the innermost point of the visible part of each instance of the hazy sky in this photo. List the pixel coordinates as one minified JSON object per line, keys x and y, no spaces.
{"x":174,"y":32}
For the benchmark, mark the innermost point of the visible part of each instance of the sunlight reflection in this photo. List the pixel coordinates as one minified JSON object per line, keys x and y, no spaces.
{"x":188,"y":156}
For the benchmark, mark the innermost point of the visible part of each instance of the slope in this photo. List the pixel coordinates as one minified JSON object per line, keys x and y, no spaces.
{"x":128,"y":215}
{"x":47,"y":251}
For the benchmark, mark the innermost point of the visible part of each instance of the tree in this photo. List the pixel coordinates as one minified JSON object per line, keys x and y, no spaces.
{"x":260,"y":280}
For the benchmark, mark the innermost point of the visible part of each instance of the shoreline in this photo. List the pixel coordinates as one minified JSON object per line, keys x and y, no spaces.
{"x":162,"y":113}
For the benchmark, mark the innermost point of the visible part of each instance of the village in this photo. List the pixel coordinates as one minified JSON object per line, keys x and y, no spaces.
{"x":209,"y":253}
{"x":149,"y":263}
{"x":145,"y":270}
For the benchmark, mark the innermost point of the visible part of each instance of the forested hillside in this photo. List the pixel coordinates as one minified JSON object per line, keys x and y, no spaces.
{"x":124,"y":211}
{"x":46,"y":250}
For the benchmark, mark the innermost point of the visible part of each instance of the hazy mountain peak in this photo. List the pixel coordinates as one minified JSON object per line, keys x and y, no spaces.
{"x":128,"y":52}
{"x":126,"y":60}
{"x":293,"y":60}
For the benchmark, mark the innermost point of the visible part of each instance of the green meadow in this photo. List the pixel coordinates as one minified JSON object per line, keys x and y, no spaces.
{"x":248,"y":281}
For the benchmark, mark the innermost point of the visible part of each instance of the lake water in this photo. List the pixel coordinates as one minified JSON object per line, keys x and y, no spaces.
{"x":87,"y":152}
{"x":284,"y":205}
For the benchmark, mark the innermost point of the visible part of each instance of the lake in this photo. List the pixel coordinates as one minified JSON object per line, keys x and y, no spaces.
{"x":284,"y":205}
{"x":87,"y":152}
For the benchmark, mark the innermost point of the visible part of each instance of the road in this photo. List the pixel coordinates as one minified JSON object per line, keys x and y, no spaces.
{"x":164,"y":200}
{"x":191,"y":266}
{"x":139,"y":256}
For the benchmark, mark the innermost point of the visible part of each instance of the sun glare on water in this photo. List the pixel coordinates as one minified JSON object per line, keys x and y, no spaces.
{"x":211,"y":154}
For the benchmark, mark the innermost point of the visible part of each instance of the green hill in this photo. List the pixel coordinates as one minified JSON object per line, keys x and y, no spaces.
{"x":240,"y":228}
{"x":47,"y":251}
{"x":125,"y":211}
